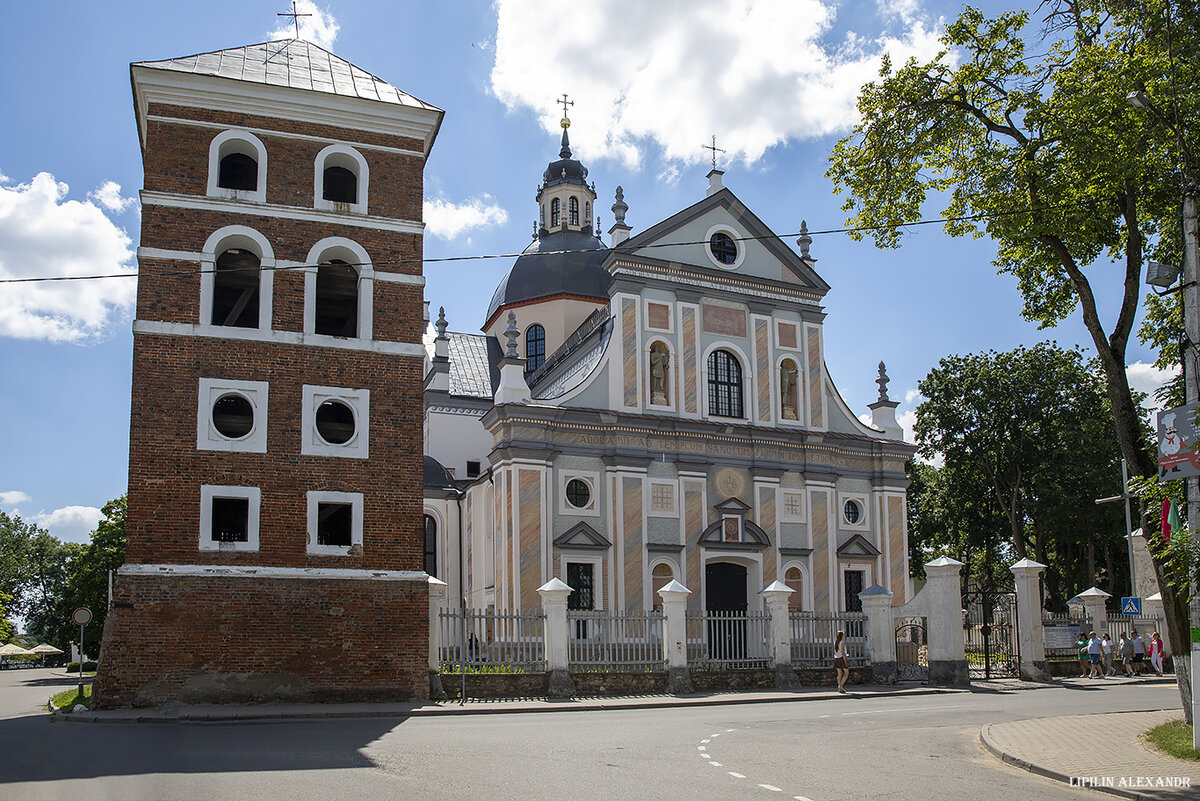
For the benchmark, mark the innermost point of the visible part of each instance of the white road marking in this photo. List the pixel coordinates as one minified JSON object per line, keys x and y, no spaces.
{"x":770,"y":787}
{"x":715,"y":764}
{"x":906,"y":709}
{"x":718,"y":734}
{"x":701,"y":747}
{"x":822,"y":716}
{"x":736,"y":775}
{"x":704,"y":740}
{"x":801,"y":798}
{"x":729,"y":730}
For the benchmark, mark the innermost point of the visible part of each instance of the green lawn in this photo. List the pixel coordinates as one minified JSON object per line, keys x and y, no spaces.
{"x":67,"y":699}
{"x":1174,"y":738}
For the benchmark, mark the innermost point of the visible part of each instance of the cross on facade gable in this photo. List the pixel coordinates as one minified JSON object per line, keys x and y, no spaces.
{"x":295,"y":15}
{"x":715,"y":150}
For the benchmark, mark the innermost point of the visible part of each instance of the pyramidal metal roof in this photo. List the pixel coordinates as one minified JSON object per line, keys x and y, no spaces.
{"x":292,"y":63}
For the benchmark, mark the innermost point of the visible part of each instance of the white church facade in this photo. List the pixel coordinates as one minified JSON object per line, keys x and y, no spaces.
{"x":652,"y":409}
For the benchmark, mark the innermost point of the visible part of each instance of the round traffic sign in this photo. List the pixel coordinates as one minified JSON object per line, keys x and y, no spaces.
{"x":82,"y":616}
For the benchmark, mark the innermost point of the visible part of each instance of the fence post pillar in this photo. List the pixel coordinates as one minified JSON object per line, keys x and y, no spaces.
{"x":947,"y":648}
{"x":779,"y":635}
{"x":554,"y":603}
{"x":881,"y":633}
{"x":437,"y":599}
{"x":1094,"y":600}
{"x":674,"y":597}
{"x":1031,"y":636}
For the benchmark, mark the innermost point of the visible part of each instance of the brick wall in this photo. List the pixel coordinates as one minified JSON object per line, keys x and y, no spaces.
{"x":217,"y":639}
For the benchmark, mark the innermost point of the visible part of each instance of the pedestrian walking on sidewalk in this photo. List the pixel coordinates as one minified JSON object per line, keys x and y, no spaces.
{"x":1125,"y":649}
{"x":840,"y":663}
{"x":1081,"y":645}
{"x":1095,"y":651}
{"x":1139,"y":653}
{"x":1156,"y":653}
{"x":1107,"y":647}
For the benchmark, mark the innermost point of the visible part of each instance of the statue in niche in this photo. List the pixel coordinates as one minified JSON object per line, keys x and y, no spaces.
{"x":660,"y":365}
{"x":787,"y":389}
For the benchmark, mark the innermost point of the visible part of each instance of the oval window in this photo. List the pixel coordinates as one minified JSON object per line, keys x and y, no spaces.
{"x":853,"y":512}
{"x":233,"y":416}
{"x":723,"y":248}
{"x":579,"y":494}
{"x":335,"y":422}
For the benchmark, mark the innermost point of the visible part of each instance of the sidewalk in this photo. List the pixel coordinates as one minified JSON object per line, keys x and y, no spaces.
{"x":230,"y":712}
{"x":1103,"y":751}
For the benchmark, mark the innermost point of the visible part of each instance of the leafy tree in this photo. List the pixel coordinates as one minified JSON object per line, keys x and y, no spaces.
{"x":16,"y":537}
{"x":1030,"y":136}
{"x":6,"y":626}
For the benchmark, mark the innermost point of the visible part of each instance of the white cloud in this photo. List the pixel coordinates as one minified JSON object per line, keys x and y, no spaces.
{"x":320,"y":27}
{"x":11,"y":498}
{"x":447,"y":220}
{"x":109,"y":196}
{"x":70,"y":523}
{"x":1144,"y":377}
{"x":755,"y":73}
{"x":42,"y":235}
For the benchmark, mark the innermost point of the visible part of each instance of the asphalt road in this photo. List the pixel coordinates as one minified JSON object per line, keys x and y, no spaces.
{"x":916,"y":747}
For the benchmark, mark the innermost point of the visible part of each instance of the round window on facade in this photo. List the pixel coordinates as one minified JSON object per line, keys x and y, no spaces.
{"x":233,"y":416}
{"x":335,"y":422}
{"x":579,"y":494}
{"x":852,"y":511}
{"x":723,"y":248}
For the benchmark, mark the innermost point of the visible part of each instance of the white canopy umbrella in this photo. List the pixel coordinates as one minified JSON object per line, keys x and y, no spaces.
{"x":12,"y":649}
{"x":44,"y":648}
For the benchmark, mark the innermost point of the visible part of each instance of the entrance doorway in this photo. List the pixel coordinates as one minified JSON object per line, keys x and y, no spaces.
{"x":725,"y":602}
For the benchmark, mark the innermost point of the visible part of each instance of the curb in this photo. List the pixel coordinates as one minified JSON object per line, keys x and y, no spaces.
{"x":432,"y":711}
{"x":995,"y":750}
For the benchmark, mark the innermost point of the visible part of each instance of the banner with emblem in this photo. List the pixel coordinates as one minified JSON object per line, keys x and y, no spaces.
{"x":1177,"y":457}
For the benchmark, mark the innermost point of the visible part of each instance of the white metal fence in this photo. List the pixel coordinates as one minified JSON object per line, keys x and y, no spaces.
{"x":727,"y":640}
{"x":482,"y":639}
{"x":813,"y":635}
{"x":611,"y":640}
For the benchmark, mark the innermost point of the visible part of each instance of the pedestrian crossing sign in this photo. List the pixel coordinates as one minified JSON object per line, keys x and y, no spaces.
{"x":1131,"y":606}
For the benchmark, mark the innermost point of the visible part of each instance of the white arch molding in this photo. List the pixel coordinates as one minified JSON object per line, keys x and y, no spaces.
{"x":806,"y":586}
{"x":672,"y":382}
{"x":351,"y":159}
{"x":237,"y":141}
{"x":349,"y":251}
{"x":246,"y":238}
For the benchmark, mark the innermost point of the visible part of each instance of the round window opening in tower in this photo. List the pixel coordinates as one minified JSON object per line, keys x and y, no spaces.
{"x":723,"y":248}
{"x":852,"y":512}
{"x":233,"y":416}
{"x":335,"y":422}
{"x":579,"y":494}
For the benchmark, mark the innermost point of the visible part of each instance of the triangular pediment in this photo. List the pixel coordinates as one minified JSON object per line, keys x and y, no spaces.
{"x":582,"y":537}
{"x":732,"y":506}
{"x":858,"y":545}
{"x":681,"y":238}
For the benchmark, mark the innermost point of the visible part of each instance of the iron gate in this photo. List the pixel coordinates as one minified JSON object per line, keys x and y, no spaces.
{"x":990,"y":632}
{"x":912,"y":651}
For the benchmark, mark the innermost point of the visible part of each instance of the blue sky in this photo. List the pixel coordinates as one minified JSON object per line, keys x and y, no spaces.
{"x":775,"y":80}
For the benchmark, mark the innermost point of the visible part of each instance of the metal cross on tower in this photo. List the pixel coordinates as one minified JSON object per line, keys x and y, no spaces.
{"x":715,"y":150}
{"x":565,"y":103}
{"x":295,"y":15}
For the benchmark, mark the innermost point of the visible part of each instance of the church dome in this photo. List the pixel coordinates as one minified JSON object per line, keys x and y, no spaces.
{"x":565,"y":169}
{"x":544,"y":269}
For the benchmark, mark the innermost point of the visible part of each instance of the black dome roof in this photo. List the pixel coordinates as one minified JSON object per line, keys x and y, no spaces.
{"x":543,"y":270}
{"x":566,"y":169}
{"x":436,"y":476}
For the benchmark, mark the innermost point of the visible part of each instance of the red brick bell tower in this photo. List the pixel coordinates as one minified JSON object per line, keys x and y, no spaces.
{"x":275,"y":537}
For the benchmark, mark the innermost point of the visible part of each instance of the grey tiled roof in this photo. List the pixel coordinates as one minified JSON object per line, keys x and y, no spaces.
{"x":293,"y":63}
{"x":470,"y":373}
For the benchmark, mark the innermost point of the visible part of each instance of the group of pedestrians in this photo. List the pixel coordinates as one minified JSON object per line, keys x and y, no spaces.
{"x":1098,"y":655}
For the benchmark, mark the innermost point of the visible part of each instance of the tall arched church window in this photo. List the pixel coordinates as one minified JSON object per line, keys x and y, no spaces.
{"x":660,"y":374}
{"x":431,"y":546}
{"x":535,"y":347}
{"x":724,"y":385}
{"x":340,"y":186}
{"x":573,"y":210}
{"x":555,"y":212}
{"x":789,"y":397}
{"x":235,"y":289}
{"x":238,"y":171}
{"x":337,"y":299}
{"x":795,"y":582}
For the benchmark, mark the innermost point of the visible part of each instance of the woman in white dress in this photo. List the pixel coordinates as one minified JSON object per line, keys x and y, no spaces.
{"x":840,"y":662}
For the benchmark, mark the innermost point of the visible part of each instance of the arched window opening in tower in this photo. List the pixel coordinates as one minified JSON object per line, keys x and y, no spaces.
{"x":555,"y":212}
{"x":431,"y":546}
{"x":340,"y":185}
{"x":724,"y":385}
{"x":336,"y":301}
{"x":573,"y":210}
{"x":535,"y":347}
{"x":235,"y":289}
{"x":238,"y":171}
